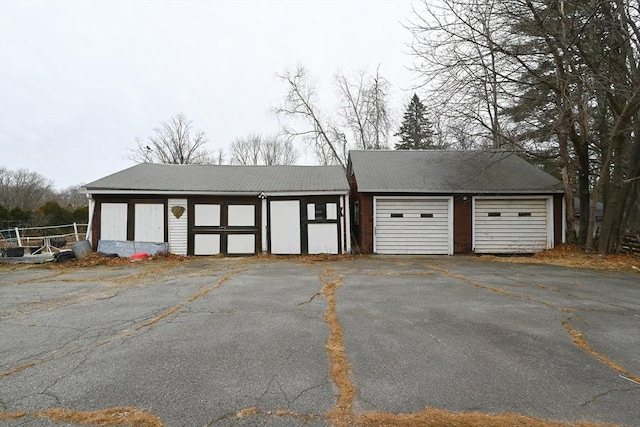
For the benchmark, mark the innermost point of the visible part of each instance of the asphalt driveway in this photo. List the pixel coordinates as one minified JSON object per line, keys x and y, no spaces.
{"x":279,"y":342}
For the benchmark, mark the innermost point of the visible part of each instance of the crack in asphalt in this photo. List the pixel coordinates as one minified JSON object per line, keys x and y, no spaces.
{"x":340,"y":370}
{"x":577,"y":337}
{"x":599,"y":395}
{"x":58,"y":352}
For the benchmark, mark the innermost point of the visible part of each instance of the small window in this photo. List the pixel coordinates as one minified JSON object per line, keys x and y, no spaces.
{"x":321,"y":211}
{"x":524,"y":213}
{"x":426,"y":215}
{"x":494,"y":213}
{"x":356,"y":212}
{"x":396,"y":215}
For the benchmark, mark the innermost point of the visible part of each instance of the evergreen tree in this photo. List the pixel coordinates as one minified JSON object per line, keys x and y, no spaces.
{"x":416,"y":130}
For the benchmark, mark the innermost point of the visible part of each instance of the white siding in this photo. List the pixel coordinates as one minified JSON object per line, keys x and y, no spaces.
{"x":149,"y":222}
{"x":413,"y":226}
{"x":284,"y":225}
{"x":323,"y":238}
{"x":178,"y":227}
{"x":113,"y":221}
{"x":503,"y":225}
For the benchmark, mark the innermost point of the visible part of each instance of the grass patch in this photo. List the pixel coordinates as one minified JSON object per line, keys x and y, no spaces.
{"x":105,"y":417}
{"x":581,"y":342}
{"x":431,"y":417}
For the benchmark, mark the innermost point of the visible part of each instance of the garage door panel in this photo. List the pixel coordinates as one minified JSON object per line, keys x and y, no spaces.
{"x":507,"y":225}
{"x":412,"y":226}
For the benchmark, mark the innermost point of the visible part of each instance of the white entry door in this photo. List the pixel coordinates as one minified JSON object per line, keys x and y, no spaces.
{"x":284,"y":225}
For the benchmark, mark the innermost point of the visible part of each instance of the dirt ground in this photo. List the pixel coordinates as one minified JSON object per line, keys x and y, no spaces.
{"x":573,"y":256}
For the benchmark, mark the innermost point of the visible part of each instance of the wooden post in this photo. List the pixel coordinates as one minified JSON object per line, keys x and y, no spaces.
{"x":18,"y":237}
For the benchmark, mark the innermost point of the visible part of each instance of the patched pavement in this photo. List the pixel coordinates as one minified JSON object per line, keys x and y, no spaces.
{"x":258,"y":341}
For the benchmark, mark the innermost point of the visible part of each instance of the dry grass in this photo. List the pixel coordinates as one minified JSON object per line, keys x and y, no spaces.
{"x":248,"y":412}
{"x":566,"y":255}
{"x":579,"y":340}
{"x":189,"y":300}
{"x":105,"y":417}
{"x":16,"y":370}
{"x":95,"y":259}
{"x":431,"y":417}
{"x":305,"y":259}
{"x":339,"y":367}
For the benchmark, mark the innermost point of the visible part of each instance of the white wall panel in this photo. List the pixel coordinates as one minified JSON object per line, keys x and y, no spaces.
{"x":206,"y":215}
{"x":113,"y":221}
{"x":206,"y":244}
{"x":241,"y":243}
{"x":322,"y":238}
{"x":332,"y":211}
{"x":241,"y":215}
{"x":149,"y":222}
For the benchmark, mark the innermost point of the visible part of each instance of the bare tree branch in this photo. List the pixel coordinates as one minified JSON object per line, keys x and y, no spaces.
{"x":172,"y":142}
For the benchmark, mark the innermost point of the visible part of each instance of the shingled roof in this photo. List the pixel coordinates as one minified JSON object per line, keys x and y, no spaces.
{"x":448,"y":171}
{"x":222,"y":179}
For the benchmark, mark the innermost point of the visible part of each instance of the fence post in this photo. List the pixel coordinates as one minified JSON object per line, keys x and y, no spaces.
{"x":75,"y":229}
{"x":18,"y":237}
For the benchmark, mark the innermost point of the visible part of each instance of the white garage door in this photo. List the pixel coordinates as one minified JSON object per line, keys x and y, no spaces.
{"x":511,"y":225}
{"x":413,"y":226}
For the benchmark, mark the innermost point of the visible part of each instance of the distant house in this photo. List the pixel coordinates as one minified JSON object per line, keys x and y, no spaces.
{"x":230,"y":210}
{"x":452,"y":202}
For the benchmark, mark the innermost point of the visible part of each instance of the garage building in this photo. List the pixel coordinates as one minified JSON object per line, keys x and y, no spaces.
{"x":224,"y":209}
{"x":447,"y":202}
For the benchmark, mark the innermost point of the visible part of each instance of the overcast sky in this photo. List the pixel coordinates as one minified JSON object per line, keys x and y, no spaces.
{"x":80,"y":80}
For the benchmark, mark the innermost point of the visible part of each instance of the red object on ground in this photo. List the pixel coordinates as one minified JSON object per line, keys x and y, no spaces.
{"x":137,"y":257}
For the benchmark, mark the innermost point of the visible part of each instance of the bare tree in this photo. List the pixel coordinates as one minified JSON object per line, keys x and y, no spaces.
{"x":363,"y":120}
{"x":364,"y":110}
{"x":300,"y":105}
{"x":256,"y":150}
{"x":466,"y":80}
{"x":71,"y":197}
{"x":547,"y":78}
{"x":24,"y":189}
{"x":277,"y":151}
{"x":219,"y":157}
{"x":246,"y":151}
{"x":172,"y":142}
